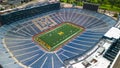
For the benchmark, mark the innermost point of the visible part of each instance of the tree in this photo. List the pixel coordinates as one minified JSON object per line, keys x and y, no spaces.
{"x":112,"y":3}
{"x":117,"y":3}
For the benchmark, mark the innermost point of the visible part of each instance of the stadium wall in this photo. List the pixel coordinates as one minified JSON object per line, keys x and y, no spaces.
{"x":21,"y":14}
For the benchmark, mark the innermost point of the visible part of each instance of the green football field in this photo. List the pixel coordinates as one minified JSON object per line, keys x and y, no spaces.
{"x":54,"y":38}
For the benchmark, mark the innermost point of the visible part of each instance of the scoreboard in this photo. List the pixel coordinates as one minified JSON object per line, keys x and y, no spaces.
{"x":89,"y":6}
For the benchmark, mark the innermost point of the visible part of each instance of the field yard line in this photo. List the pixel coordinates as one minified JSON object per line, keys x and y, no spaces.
{"x":65,"y":40}
{"x":52,"y":30}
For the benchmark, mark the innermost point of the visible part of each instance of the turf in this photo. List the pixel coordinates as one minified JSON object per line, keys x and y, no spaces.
{"x":54,"y":38}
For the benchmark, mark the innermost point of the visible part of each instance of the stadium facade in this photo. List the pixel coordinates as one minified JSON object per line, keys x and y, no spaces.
{"x":18,"y":50}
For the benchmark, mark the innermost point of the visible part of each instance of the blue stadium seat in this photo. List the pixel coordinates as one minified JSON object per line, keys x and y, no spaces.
{"x":18,"y":38}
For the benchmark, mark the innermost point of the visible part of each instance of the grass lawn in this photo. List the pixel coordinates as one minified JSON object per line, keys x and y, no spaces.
{"x":103,"y":6}
{"x":108,"y":7}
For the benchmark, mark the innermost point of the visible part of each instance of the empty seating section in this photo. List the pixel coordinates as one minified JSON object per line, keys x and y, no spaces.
{"x":17,"y":38}
{"x":81,"y":19}
{"x":5,"y":61}
{"x":113,"y":51}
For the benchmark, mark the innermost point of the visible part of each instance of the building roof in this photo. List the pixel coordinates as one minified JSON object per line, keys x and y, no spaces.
{"x":113,"y":33}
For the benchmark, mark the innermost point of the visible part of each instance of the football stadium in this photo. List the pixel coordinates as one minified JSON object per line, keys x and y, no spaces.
{"x":53,"y":36}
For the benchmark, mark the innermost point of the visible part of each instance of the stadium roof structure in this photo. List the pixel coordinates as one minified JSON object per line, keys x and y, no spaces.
{"x":113,"y":33}
{"x":18,"y":49}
